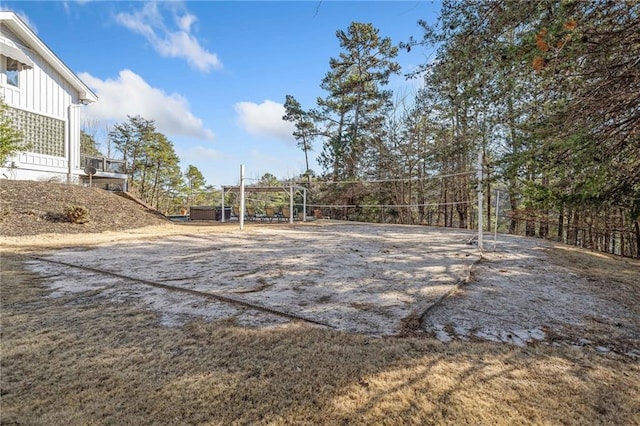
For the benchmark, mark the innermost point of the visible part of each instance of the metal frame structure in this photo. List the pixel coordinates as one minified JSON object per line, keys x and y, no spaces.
{"x":290,"y":189}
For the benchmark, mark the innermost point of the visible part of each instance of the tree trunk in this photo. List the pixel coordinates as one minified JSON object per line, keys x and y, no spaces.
{"x":570,"y":231}
{"x":462,"y":218}
{"x":513,"y":225}
{"x":561,"y":224}
{"x":576,"y":222}
{"x":637,"y":228}
{"x":306,"y":161}
{"x":530,"y":228}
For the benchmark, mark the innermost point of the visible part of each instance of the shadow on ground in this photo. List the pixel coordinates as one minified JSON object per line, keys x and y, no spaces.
{"x":79,"y":359}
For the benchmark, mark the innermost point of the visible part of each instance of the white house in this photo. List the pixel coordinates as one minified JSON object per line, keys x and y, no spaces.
{"x":44,"y":97}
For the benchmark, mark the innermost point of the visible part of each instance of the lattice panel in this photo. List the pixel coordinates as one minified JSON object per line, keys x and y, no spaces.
{"x":44,"y":135}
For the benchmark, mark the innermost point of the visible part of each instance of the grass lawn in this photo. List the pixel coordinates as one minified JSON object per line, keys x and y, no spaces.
{"x":81,"y":359}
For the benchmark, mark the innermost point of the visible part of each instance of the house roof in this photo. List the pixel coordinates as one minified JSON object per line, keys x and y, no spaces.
{"x":22,"y":30}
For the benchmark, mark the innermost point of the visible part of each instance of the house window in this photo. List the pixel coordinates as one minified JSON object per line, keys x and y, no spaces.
{"x":43,"y":135}
{"x":13,"y":72}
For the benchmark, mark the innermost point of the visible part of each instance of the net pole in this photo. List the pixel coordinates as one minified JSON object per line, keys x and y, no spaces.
{"x":291,"y":204}
{"x":241,"y":212}
{"x":222,"y":206}
{"x":480,"y":225}
{"x":304,"y":205}
{"x":495,"y":226}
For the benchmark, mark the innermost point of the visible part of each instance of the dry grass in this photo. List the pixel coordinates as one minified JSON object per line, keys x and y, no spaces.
{"x":86,"y":360}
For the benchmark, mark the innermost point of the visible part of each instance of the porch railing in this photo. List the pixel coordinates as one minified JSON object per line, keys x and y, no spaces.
{"x":102,"y":164}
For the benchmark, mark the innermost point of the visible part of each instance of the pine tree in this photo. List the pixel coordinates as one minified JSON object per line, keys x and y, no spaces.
{"x":305,"y":129}
{"x":353,"y":111}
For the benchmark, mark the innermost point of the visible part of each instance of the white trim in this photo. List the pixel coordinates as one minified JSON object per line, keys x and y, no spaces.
{"x":18,"y":26}
{"x":44,"y":114}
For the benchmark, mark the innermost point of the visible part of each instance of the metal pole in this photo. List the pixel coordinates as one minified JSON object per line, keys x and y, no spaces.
{"x":495,"y":229}
{"x":222,"y":206}
{"x":241,"y":212}
{"x":304,"y":204}
{"x":480,"y":225}
{"x":291,"y":204}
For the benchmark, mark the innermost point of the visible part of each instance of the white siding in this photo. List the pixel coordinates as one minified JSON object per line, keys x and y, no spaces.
{"x":42,"y":90}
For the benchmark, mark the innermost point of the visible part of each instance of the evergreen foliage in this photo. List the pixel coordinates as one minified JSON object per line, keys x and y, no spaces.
{"x":305,"y":129}
{"x":88,"y":145}
{"x":354,"y":109}
{"x":547,"y":91}
{"x":11,"y":140}
{"x":151,"y":163}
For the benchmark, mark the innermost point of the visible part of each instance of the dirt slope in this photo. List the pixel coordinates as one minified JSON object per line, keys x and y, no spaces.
{"x":32,"y":208}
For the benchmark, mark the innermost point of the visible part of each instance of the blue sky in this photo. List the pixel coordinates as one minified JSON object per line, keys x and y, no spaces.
{"x":214,"y":75}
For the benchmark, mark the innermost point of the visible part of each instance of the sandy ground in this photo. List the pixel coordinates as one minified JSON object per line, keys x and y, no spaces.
{"x":357,"y":278}
{"x":528,"y":290}
{"x":378,"y":280}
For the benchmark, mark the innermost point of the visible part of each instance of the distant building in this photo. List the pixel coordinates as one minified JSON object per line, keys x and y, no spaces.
{"x":44,"y":97}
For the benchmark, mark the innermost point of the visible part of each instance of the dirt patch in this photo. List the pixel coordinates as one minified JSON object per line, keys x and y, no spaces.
{"x":358,"y":278}
{"x":32,"y":208}
{"x":372,"y":279}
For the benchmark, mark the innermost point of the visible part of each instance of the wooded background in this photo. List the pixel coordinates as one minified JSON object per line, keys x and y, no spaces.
{"x":548,"y":92}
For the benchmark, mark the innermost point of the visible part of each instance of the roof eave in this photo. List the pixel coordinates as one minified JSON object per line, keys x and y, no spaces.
{"x":85,"y":94}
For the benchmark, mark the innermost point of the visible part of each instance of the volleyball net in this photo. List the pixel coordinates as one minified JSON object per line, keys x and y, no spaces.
{"x":446,"y":200}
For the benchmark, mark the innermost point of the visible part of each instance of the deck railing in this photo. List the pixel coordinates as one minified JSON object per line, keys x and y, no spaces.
{"x":102,"y":164}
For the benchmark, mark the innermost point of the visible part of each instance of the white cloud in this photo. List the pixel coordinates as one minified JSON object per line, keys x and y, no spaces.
{"x":178,"y":43}
{"x":200,"y":154}
{"x":185,"y":22}
{"x":129,"y":94}
{"x":69,"y":4}
{"x":264,"y":119}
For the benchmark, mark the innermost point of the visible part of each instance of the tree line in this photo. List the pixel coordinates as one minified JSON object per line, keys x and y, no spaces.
{"x":153,"y":167}
{"x":546,"y":91}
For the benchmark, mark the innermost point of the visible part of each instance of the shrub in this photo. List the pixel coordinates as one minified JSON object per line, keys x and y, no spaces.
{"x":77,"y":214}
{"x":11,"y":140}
